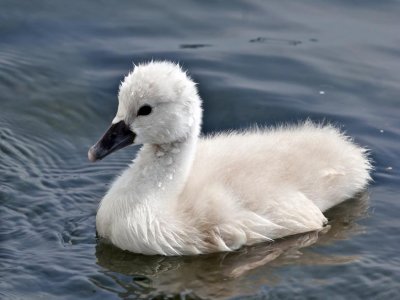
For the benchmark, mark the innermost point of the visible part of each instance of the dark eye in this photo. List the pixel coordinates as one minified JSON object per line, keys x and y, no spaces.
{"x":144,"y":110}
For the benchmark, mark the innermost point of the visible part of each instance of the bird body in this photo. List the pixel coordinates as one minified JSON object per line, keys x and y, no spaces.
{"x":185,"y":194}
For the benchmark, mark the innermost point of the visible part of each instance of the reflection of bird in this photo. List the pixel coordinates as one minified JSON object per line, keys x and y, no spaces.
{"x":224,"y":275}
{"x":185,"y":195}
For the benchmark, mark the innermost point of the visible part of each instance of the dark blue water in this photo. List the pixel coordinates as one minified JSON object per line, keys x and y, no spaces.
{"x":256,"y":62}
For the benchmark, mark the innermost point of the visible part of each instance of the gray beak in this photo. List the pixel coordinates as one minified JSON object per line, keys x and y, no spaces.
{"x":116,"y":137}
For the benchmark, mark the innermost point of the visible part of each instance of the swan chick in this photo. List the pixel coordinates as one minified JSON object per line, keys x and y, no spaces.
{"x":185,"y":194}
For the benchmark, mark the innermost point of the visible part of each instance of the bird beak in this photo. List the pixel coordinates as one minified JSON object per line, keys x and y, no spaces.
{"x":116,"y":137}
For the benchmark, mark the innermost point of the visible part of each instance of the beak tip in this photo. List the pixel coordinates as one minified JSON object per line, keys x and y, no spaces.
{"x":92,"y":154}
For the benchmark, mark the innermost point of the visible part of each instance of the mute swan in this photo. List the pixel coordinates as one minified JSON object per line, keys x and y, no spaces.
{"x":185,"y":194}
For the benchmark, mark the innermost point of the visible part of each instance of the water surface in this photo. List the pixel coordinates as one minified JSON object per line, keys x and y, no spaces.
{"x":256,"y":62}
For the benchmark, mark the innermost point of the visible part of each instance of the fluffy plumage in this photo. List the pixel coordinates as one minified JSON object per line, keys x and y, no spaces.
{"x":187,"y":195}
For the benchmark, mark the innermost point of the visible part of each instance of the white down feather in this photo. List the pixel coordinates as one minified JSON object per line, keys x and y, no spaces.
{"x":184,"y":194}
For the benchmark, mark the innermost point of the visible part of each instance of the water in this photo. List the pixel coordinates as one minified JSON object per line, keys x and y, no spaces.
{"x":283,"y":61}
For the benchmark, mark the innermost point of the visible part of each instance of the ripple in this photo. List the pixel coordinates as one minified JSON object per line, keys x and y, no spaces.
{"x":60,"y":67}
{"x":193,"y":46}
{"x":275,"y":40}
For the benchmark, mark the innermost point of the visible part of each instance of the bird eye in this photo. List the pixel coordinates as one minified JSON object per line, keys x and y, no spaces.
{"x":144,"y":110}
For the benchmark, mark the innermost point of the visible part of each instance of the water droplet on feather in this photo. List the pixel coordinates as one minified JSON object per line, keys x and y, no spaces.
{"x":160,"y":153}
{"x":175,"y":150}
{"x":169,"y":160}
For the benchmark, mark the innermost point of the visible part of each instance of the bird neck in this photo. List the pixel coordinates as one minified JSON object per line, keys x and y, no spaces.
{"x":161,"y":171}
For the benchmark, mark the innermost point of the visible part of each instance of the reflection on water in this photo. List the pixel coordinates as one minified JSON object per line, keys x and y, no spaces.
{"x":215,"y":275}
